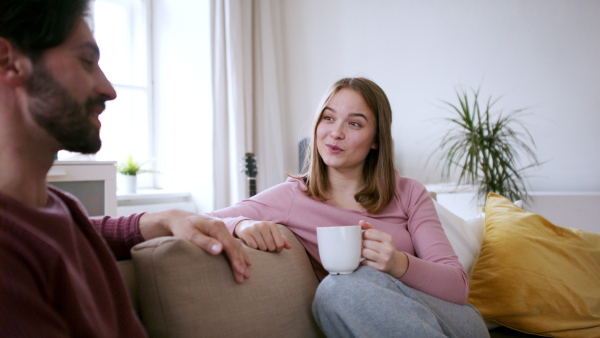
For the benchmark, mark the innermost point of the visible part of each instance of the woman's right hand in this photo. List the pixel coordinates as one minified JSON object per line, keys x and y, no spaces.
{"x":264,"y":236}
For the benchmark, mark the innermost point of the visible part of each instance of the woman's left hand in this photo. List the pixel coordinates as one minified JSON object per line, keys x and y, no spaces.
{"x":379,"y":252}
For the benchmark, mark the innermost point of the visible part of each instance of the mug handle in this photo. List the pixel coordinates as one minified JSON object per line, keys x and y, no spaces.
{"x":361,"y":257}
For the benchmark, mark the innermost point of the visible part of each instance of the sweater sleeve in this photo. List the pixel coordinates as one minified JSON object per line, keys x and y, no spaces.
{"x":434,"y":269}
{"x":272,"y":205}
{"x":120,"y":233}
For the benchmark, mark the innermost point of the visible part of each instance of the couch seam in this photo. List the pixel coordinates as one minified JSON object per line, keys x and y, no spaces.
{"x":157,"y":289}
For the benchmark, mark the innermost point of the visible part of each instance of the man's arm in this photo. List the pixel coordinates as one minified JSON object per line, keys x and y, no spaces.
{"x":207,"y":233}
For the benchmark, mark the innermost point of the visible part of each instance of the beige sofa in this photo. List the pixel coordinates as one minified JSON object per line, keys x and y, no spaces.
{"x":178,"y":290}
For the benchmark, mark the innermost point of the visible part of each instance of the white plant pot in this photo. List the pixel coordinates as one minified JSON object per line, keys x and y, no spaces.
{"x":128,"y":183}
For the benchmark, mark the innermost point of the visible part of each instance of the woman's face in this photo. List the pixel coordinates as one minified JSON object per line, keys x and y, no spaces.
{"x":346,"y":132}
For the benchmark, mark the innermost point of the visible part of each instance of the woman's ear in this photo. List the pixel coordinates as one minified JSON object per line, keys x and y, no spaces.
{"x":14,"y":66}
{"x":375,"y":145}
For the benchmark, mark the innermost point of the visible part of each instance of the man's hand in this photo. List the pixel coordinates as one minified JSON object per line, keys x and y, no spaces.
{"x":209,"y":234}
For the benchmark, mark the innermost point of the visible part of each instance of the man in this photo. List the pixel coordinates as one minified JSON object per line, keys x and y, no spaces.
{"x":57,"y":274}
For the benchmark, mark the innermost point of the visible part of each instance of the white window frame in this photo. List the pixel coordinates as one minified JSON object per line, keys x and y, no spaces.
{"x":147,"y":88}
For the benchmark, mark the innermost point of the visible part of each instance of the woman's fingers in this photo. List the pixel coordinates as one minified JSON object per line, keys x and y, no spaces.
{"x":264,"y":236}
{"x":365,"y":225}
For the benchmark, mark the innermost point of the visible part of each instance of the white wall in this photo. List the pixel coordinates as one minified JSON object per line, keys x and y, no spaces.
{"x":535,"y":53}
{"x":183,"y":98}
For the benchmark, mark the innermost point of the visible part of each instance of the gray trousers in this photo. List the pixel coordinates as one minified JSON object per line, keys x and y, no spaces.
{"x":370,"y":303}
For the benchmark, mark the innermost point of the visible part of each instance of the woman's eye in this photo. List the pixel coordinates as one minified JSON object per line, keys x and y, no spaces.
{"x":355,"y":124}
{"x":327,"y":118}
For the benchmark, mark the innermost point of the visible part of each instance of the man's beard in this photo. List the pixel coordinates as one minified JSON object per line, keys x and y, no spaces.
{"x":58,"y":112}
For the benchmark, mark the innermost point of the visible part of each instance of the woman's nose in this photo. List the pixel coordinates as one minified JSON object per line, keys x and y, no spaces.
{"x":337,"y":132}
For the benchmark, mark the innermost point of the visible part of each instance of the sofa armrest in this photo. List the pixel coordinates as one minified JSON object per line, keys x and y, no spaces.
{"x":128,"y":272}
{"x":185,"y":292}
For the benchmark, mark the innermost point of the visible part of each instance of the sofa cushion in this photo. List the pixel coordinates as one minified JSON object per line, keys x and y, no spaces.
{"x":465,"y":236}
{"x":534,"y":276}
{"x":185,"y":292}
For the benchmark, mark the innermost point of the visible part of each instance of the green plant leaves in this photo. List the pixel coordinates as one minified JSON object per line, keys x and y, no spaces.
{"x":485,"y":147}
{"x":132,"y":167}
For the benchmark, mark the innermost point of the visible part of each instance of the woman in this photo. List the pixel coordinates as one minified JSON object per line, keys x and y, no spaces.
{"x":410,"y":282}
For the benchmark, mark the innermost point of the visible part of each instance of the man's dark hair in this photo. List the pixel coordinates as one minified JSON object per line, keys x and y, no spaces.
{"x":36,"y":25}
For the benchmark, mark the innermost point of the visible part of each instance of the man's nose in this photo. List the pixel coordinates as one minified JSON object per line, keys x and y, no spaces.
{"x":105,"y":88}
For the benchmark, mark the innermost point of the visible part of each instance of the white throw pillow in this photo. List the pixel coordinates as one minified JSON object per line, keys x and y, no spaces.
{"x":465,"y":235}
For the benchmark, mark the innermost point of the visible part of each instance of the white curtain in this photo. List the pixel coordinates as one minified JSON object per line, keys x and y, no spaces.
{"x":246,"y":96}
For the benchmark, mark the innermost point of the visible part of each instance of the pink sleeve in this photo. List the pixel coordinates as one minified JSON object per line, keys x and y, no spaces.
{"x":271,"y":205}
{"x":230,"y":222}
{"x":120,"y":233}
{"x":434,"y":269}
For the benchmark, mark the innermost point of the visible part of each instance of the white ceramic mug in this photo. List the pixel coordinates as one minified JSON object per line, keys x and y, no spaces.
{"x":340,"y":248}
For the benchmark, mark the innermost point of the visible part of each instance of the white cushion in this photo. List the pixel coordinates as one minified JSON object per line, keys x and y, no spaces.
{"x":465,"y":236}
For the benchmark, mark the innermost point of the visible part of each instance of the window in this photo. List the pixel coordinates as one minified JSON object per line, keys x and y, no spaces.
{"x":121,"y":31}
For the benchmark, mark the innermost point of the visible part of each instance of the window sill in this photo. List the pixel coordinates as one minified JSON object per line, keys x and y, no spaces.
{"x":148,"y":194}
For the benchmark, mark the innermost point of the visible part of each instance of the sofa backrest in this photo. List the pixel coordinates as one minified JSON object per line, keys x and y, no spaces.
{"x":181,"y":291}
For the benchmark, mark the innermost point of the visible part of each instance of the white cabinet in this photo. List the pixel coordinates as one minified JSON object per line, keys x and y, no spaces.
{"x":94,"y":183}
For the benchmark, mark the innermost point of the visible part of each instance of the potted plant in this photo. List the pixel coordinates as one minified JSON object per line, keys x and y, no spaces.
{"x":129,"y":171}
{"x":485,"y":147}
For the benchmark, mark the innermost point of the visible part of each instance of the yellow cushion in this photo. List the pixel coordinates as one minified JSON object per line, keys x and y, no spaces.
{"x":534,"y":276}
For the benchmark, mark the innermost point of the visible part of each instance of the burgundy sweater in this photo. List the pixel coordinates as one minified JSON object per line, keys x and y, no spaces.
{"x":58,"y":277}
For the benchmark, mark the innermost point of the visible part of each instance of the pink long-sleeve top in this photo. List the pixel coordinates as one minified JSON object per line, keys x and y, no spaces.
{"x":411,"y":219}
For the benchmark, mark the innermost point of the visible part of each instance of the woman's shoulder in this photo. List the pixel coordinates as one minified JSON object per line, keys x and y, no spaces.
{"x":281,"y":195}
{"x":295,"y":182}
{"x":291,"y":185}
{"x":409,"y":190}
{"x":404,"y":183}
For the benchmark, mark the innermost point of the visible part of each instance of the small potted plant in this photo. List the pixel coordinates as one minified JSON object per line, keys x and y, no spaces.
{"x":485,"y":147}
{"x":129,"y":171}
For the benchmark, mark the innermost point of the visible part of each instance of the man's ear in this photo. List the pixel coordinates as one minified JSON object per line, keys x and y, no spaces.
{"x":14,"y":65}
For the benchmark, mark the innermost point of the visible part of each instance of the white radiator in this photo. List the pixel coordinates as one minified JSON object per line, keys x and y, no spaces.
{"x":153,"y":201}
{"x":579,"y":210}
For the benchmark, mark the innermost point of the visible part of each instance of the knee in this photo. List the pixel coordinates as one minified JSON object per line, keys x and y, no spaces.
{"x":334,"y":293}
{"x":326,"y":292}
{"x":341,"y":289}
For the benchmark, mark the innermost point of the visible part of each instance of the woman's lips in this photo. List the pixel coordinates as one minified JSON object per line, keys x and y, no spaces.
{"x":334,"y":149}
